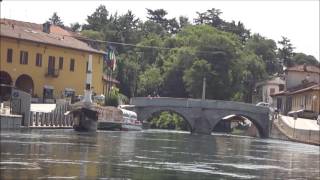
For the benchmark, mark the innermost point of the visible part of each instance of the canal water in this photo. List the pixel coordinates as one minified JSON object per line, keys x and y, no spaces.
{"x":152,"y":154}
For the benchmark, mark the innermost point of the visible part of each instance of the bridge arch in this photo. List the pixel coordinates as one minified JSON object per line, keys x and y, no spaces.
{"x":153,"y":112}
{"x":254,"y":122}
{"x":203,"y":115}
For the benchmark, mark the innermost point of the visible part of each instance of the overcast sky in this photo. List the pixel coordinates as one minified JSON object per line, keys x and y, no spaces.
{"x":297,"y":20}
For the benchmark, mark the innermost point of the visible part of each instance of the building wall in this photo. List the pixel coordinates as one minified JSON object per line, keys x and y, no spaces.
{"x":66,"y":78}
{"x":266,"y":92}
{"x":294,"y":78}
{"x":308,"y":100}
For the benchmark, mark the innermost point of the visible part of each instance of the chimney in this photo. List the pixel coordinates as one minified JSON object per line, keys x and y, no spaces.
{"x":46,"y":27}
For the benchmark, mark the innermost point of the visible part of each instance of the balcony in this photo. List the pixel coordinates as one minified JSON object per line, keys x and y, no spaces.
{"x":52,"y":72}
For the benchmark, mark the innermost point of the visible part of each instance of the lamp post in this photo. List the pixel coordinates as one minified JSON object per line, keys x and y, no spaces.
{"x":204,"y":88}
{"x":295,"y":116}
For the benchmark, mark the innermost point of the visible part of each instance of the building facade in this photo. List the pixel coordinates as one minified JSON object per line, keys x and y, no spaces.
{"x":302,"y":90}
{"x":264,"y":90}
{"x":47,"y":64}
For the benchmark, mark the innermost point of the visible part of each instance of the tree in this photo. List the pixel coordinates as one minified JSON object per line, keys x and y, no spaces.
{"x":128,"y":69}
{"x":150,"y":82}
{"x":301,"y":58}
{"x":55,"y":20}
{"x":75,"y":27}
{"x":286,"y":52}
{"x":253,"y":71}
{"x":266,"y":49}
{"x":193,"y":77}
{"x":183,"y":22}
{"x":98,"y":19}
{"x":210,"y":17}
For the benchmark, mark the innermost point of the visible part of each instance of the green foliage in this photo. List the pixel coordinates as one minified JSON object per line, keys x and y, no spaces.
{"x":114,"y":98}
{"x":266,"y":49}
{"x":169,"y":120}
{"x":225,"y":52}
{"x":301,"y":58}
{"x":92,"y":34}
{"x":56,"y":20}
{"x":286,"y":52}
{"x":193,"y":77}
{"x":75,"y":27}
{"x":150,"y":81}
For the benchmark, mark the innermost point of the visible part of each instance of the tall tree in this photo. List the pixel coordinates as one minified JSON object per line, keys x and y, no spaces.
{"x":266,"y":49}
{"x":75,"y":27}
{"x":193,"y":77}
{"x":210,"y":17}
{"x":285,"y":53}
{"x":55,"y":20}
{"x":98,"y":19}
{"x":301,"y":58}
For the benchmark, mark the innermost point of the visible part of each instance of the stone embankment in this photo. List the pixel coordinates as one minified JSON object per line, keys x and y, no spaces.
{"x":299,"y":130}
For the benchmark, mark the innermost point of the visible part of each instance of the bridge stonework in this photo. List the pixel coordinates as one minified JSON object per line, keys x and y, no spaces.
{"x":202,"y":116}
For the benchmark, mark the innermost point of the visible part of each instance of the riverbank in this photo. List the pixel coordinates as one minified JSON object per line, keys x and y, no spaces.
{"x":299,"y":130}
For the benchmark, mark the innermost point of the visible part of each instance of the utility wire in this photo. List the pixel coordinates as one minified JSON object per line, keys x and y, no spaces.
{"x":139,"y":46}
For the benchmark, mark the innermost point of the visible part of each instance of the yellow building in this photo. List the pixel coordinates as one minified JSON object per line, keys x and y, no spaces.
{"x":47,"y":61}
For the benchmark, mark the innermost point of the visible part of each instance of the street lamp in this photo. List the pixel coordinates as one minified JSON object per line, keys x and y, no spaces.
{"x":295,"y":117}
{"x":204,"y":88}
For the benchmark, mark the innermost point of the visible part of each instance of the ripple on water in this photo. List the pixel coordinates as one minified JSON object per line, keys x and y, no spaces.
{"x":19,"y":165}
{"x":184,"y":167}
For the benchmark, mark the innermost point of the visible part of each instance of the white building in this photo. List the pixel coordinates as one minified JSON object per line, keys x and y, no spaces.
{"x":264,"y":90}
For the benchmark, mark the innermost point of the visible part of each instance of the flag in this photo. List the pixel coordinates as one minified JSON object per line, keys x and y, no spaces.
{"x":111,"y":60}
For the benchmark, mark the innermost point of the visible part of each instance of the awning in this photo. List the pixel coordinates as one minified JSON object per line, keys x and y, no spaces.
{"x":48,"y":87}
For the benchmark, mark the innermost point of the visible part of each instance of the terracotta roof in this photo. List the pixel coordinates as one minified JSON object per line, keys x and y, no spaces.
{"x":304,"y":68}
{"x":275,"y":80}
{"x":10,"y":22}
{"x":314,"y":87}
{"x":109,"y":79}
{"x":299,"y":89}
{"x":33,"y":32}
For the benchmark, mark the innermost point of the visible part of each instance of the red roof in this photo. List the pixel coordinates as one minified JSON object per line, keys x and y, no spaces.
{"x":33,"y":32}
{"x":299,"y":89}
{"x":110,"y":79}
{"x":304,"y":68}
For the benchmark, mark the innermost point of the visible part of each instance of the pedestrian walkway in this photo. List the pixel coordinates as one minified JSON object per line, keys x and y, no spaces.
{"x":299,"y":130}
{"x":301,"y":123}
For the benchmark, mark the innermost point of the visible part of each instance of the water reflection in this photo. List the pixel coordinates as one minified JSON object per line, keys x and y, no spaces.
{"x":43,"y":154}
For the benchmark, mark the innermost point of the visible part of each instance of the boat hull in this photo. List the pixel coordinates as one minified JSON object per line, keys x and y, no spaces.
{"x":131,"y":127}
{"x":109,"y":126}
{"x":85,"y":119}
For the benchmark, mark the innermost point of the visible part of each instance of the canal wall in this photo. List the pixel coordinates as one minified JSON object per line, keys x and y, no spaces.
{"x":9,"y":121}
{"x":281,"y":130}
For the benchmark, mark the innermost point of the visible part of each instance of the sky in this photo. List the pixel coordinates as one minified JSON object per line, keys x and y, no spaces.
{"x":294,"y":19}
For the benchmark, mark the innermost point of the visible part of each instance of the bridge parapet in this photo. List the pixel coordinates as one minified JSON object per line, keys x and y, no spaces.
{"x":202,"y":115}
{"x":197,"y":103}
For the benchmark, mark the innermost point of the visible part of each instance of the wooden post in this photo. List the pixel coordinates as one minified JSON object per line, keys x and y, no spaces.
{"x":37,"y":118}
{"x":41,"y":119}
{"x":50,"y":119}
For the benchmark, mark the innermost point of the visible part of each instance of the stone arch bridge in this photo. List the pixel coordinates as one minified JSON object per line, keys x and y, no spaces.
{"x":202,"y":116}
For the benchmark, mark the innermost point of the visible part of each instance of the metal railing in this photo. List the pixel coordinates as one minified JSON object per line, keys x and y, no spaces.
{"x":52,"y":72}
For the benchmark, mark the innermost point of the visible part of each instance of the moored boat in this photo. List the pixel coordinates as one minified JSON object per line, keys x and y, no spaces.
{"x":112,"y":118}
{"x":85,"y":119}
{"x":130,"y":121}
